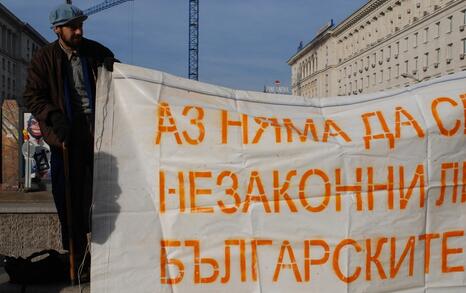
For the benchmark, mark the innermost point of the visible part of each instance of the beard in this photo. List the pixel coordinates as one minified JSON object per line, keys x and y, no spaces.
{"x":72,"y":42}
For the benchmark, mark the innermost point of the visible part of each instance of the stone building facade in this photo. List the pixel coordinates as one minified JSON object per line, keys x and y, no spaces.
{"x":385,"y":44}
{"x":18,"y":42}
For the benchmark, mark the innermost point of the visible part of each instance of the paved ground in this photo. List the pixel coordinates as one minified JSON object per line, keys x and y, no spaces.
{"x":26,"y":203}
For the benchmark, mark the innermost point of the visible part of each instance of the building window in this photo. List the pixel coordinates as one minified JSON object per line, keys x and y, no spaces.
{"x":464,"y":46}
{"x":415,"y":40}
{"x":389,"y":53}
{"x":437,"y":30}
{"x":397,"y":48}
{"x":437,"y":55}
{"x":426,"y":35}
{"x":8,"y":40}
{"x":4,"y":45}
{"x":406,"y":44}
{"x":464,"y":16}
{"x":13,"y":43}
{"x":416,"y":63}
{"x":449,"y":24}
{"x":374,"y":78}
{"x":397,"y":70}
{"x":406,"y":66}
{"x":381,"y":76}
{"x":449,"y":52}
{"x":426,"y":61}
{"x":389,"y":73}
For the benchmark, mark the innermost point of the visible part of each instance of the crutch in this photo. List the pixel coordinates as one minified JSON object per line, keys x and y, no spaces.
{"x":69,"y":218}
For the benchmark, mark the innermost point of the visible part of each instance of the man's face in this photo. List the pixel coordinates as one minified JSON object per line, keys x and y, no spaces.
{"x":71,"y":33}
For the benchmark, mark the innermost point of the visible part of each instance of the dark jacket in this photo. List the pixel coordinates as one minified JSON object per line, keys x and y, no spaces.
{"x":44,"y":91}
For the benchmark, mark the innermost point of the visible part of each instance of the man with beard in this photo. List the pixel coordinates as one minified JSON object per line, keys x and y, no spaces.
{"x":60,"y":93}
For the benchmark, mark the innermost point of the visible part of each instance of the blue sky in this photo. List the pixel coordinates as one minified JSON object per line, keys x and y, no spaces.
{"x":243,"y":44}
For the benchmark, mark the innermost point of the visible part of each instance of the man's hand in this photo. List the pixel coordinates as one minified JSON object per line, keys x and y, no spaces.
{"x":60,"y":126}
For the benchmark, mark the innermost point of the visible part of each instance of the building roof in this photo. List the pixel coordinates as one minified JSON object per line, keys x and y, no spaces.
{"x":354,"y":17}
{"x":29,"y":29}
{"x":306,"y":48}
{"x":25,"y":26}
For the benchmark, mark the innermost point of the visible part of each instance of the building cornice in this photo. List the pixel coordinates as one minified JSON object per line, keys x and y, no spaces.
{"x":309,"y":46}
{"x":24,"y":26}
{"x":27,"y":28}
{"x":362,"y":12}
{"x":359,"y":14}
{"x":10,"y":15}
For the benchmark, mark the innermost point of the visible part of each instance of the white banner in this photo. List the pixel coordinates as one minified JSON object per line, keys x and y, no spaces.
{"x":200,"y":188}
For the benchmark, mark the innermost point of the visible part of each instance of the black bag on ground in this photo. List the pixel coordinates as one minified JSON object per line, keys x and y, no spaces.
{"x":46,"y":266}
